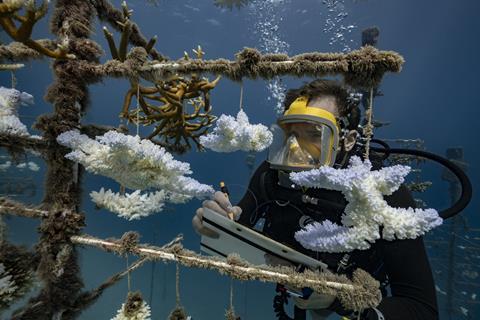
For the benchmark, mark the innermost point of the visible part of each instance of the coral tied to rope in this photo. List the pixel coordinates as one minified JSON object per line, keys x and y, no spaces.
{"x":178,"y":313}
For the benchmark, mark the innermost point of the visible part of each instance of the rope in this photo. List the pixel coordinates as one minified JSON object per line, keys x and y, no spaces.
{"x":138,"y":108}
{"x":368,"y":130}
{"x":129,"y":284}
{"x":14,"y":79}
{"x":177,"y":285}
{"x":241,"y":96}
{"x":231,"y":293}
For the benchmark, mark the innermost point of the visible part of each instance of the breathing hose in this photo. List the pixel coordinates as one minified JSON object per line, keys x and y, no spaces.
{"x":466,"y":194}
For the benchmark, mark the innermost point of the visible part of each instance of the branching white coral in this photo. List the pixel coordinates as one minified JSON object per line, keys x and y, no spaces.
{"x":132,"y":162}
{"x":134,"y":205}
{"x":10,"y":101}
{"x":233,"y":134}
{"x":142,"y":313}
{"x":366,"y":210}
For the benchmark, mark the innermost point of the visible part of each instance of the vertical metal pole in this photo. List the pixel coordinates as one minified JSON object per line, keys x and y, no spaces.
{"x":455,"y":155}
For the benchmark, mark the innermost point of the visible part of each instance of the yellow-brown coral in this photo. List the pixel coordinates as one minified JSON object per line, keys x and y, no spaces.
{"x":8,"y":15}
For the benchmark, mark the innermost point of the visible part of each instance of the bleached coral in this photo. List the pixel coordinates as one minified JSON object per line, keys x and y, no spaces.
{"x":366,"y":210}
{"x":233,"y":134}
{"x":134,"y":205}
{"x":133,"y":162}
{"x":10,"y":101}
{"x":134,"y":308}
{"x":143,"y":313}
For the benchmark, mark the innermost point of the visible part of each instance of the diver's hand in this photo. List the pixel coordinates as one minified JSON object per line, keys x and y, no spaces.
{"x":221,"y":205}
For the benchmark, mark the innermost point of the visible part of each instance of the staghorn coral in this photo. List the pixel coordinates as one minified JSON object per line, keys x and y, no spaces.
{"x":23,"y":33}
{"x":107,"y":12}
{"x":175,"y":124}
{"x":134,"y":163}
{"x":135,"y":205}
{"x":232,"y":134}
{"x":366,"y":210}
{"x":125,"y":25}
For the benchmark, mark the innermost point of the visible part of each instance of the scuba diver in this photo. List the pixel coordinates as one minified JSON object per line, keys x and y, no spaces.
{"x":320,"y":127}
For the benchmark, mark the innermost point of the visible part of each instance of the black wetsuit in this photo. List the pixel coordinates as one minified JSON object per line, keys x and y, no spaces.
{"x":403,"y":264}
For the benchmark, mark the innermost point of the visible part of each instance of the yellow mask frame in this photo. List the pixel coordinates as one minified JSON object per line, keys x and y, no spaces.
{"x":300,"y":112}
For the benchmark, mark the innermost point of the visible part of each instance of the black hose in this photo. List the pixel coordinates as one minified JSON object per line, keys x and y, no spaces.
{"x":466,"y":194}
{"x":385,"y":145}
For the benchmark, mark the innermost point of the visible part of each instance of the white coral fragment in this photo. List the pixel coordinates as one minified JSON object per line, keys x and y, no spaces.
{"x":10,"y":101}
{"x":135,"y":205}
{"x":143,"y":313}
{"x":133,"y":162}
{"x":366,"y":210}
{"x":234,"y":134}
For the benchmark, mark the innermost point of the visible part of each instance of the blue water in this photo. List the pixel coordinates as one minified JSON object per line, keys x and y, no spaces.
{"x":434,"y":98}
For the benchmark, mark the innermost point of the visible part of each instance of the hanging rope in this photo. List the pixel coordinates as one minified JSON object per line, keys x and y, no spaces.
{"x":138,"y":108}
{"x":179,"y":312}
{"x":368,"y":129}
{"x":129,"y":281}
{"x":241,"y":96}
{"x":177,"y":285}
{"x":230,"y":313}
{"x":231,"y":293}
{"x":14,"y":79}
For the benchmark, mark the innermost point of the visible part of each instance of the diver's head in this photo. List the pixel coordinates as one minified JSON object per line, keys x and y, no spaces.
{"x":317,"y":128}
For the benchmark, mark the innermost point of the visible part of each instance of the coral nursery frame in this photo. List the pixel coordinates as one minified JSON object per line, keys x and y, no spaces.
{"x":75,"y":67}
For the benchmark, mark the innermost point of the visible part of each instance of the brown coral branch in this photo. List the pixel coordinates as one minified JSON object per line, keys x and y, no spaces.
{"x":107,"y":12}
{"x":23,"y":33}
{"x":19,"y":52}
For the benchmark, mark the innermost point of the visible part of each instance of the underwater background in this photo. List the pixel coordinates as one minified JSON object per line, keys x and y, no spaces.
{"x":435,"y":98}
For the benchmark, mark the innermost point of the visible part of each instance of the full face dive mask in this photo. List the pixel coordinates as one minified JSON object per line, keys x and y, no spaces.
{"x":304,"y":138}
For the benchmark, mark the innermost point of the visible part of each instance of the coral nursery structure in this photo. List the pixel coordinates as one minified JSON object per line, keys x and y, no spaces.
{"x":173,"y":98}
